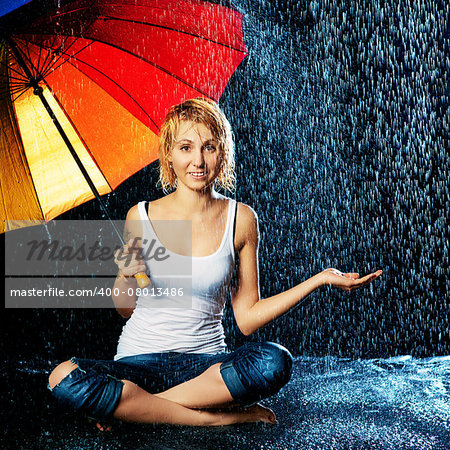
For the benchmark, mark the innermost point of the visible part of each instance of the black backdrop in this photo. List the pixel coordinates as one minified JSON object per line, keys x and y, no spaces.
{"x":339,"y":114}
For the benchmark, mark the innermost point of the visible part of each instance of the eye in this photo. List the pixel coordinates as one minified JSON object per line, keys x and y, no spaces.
{"x":210,"y":148}
{"x":185,"y":148}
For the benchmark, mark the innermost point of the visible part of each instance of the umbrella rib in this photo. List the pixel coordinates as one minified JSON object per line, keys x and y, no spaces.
{"x":19,"y":82}
{"x":20,"y":95}
{"x":14,"y":89}
{"x":47,"y":66}
{"x":9,"y":67}
{"x":29,"y":59}
{"x":14,"y":70}
{"x":117,"y":84}
{"x":64,"y":61}
{"x":148,"y":62}
{"x":47,"y":59}
{"x":18,"y":79}
{"x":162,"y":69}
{"x":106,"y":18}
{"x":40,"y":55}
{"x":47,"y":62}
{"x":142,"y":59}
{"x":53,"y":65}
{"x":106,"y":76}
{"x":26,"y":55}
{"x":31,"y":68}
{"x":10,"y":91}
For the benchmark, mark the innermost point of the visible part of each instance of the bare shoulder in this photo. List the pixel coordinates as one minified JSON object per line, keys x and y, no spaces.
{"x":246,"y":214}
{"x":133,"y":226}
{"x":133,"y":213}
{"x":156,"y":205}
{"x":246,"y":225}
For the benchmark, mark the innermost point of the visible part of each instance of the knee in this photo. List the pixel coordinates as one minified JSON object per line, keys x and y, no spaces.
{"x":60,"y":372}
{"x":275,"y":364}
{"x":258,"y":370}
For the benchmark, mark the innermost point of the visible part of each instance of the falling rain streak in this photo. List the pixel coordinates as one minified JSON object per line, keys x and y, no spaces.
{"x":340,"y":116}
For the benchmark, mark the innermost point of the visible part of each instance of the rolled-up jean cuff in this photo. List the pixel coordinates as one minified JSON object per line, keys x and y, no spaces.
{"x":95,"y":393}
{"x":234,"y":384}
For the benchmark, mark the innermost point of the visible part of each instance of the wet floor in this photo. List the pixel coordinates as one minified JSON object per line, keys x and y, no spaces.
{"x":330,"y":403}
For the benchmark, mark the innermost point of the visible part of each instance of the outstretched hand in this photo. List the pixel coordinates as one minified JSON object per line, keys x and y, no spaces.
{"x":348,"y":281}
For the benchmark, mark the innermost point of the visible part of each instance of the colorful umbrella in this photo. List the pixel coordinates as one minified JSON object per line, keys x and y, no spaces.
{"x":85,"y":84}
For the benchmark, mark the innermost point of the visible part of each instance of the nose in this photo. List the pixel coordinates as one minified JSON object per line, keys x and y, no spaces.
{"x":198,"y":158}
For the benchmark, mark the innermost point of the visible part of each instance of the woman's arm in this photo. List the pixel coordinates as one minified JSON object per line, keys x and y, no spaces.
{"x":129,"y":262}
{"x":125,"y":301}
{"x":250,"y":312}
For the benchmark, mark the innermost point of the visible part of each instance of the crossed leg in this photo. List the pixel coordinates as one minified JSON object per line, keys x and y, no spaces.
{"x":208,"y":390}
{"x":265,"y":366}
{"x":137,"y":405}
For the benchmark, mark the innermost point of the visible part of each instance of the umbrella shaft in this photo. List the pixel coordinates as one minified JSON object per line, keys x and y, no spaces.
{"x":38,"y":91}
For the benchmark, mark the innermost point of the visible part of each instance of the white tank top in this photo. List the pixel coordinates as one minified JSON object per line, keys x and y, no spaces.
{"x":191,"y":323}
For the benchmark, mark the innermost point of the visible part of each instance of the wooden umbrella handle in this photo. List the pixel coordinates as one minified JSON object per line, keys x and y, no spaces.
{"x":142,"y":279}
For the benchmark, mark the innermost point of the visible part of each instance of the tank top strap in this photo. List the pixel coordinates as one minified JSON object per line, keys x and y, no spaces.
{"x":147,"y":228}
{"x":142,"y":211}
{"x":231,"y":222}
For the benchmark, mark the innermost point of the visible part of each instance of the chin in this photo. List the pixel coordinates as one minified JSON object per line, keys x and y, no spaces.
{"x":198,"y":187}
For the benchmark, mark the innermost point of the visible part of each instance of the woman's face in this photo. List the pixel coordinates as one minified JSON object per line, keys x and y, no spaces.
{"x":195,"y":156}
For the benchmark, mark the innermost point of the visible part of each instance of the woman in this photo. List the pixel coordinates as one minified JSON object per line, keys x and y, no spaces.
{"x":173,"y":342}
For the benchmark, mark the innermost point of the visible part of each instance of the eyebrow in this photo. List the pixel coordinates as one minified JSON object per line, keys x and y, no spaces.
{"x":190,"y":142}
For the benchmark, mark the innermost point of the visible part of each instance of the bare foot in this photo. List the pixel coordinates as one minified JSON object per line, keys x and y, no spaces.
{"x":259,"y":413}
{"x":101,"y":426}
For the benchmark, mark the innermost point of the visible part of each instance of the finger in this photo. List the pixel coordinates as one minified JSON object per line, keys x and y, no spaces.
{"x":126,"y":255}
{"x":133,"y":269}
{"x":121,"y":250}
{"x":373,"y":276}
{"x":364,"y":280}
{"x":130,"y":260}
{"x":135,"y":243}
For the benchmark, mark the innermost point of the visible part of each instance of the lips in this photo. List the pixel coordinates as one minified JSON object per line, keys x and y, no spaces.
{"x":197,"y":175}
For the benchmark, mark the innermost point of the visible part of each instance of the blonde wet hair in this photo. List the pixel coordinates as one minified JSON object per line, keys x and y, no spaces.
{"x":207,"y":112}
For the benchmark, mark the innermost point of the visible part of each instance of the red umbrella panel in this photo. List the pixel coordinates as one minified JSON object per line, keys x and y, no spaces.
{"x":109,"y":70}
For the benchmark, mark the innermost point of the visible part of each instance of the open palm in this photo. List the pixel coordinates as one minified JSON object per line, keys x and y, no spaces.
{"x":348,"y":281}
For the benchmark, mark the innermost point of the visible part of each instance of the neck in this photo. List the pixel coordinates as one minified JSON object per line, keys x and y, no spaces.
{"x":194,"y":202}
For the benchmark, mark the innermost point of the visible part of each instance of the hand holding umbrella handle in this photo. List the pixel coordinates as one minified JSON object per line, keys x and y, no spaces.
{"x":128,"y":255}
{"x":142,"y":279}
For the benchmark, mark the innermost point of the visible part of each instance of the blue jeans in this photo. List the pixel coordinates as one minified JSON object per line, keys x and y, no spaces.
{"x":252,"y":372}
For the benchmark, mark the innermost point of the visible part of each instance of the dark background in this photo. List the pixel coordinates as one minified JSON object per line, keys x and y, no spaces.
{"x":340,"y":115}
